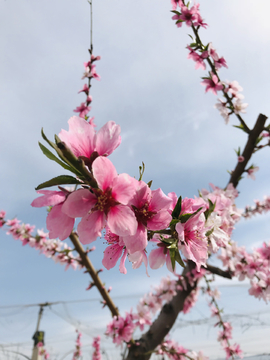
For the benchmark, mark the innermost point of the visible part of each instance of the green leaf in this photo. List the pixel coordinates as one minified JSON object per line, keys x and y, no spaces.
{"x":174,"y":222}
{"x":184,"y":218}
{"x":179,"y":21}
{"x":241,"y":127}
{"x":177,"y":209}
{"x":211,"y":208}
{"x":179,"y":259}
{"x":149,"y":183}
{"x":193,"y":44}
{"x":51,"y":156}
{"x":209,"y":232}
{"x":59,"y":180}
{"x":176,"y":12}
{"x":172,"y":256}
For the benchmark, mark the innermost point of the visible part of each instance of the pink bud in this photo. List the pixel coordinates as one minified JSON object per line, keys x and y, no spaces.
{"x":241,"y":158}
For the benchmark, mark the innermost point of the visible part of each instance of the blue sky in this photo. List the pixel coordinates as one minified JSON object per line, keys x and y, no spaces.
{"x":150,"y":88}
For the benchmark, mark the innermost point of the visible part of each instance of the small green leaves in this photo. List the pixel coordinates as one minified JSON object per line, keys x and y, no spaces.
{"x":141,"y":170}
{"x":185,"y":217}
{"x":175,"y":255}
{"x":241,"y":127}
{"x":59,"y":180}
{"x":210,"y":209}
{"x":238,"y":151}
{"x":177,"y":209}
{"x":174,"y":222}
{"x":209,"y":232}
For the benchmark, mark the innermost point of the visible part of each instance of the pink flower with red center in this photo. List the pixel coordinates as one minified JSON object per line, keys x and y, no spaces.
{"x":83,"y":109}
{"x":212,"y":84}
{"x":85,"y":89}
{"x":107,"y":203}
{"x":151,"y":211}
{"x":188,"y":15}
{"x":233,"y":350}
{"x":83,"y":140}
{"x":121,"y":329}
{"x":192,"y":240}
{"x":58,"y":223}
{"x":220,"y":62}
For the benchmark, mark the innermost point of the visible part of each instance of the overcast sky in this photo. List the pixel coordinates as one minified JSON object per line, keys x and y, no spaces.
{"x":150,"y":88}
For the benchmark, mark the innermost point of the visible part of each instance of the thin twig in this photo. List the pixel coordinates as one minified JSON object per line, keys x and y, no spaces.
{"x":93,"y":273}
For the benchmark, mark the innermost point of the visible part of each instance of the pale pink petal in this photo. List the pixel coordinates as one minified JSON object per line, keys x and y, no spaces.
{"x":49,"y":198}
{"x":160,"y":201}
{"x":123,"y":188}
{"x":90,"y":227}
{"x":181,"y":231}
{"x":159,"y":221}
{"x":157,"y":258}
{"x":111,"y":255}
{"x":80,"y":137}
{"x":79,"y":203}
{"x":122,"y":220}
{"x":169,"y":263}
{"x":108,"y":138}
{"x":137,"y":242}
{"x":137,"y":258}
{"x":104,"y":172}
{"x":122,"y":267}
{"x":59,"y":224}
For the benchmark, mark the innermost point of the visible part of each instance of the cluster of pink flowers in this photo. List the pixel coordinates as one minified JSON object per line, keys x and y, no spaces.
{"x":121,"y":329}
{"x":54,"y":249}
{"x":96,"y":345}
{"x":189,"y":16}
{"x":175,"y":351}
{"x":255,"y":266}
{"x":234,"y":104}
{"x":42,"y":351}
{"x":89,"y":73}
{"x":260,"y":207}
{"x":203,"y":54}
{"x":78,"y":352}
{"x":225,"y":335}
{"x":131,"y":212}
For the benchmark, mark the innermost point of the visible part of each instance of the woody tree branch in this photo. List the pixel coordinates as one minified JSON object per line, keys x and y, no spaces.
{"x":249,"y":149}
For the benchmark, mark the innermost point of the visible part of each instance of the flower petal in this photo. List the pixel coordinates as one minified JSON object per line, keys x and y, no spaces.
{"x":79,"y":203}
{"x":104,"y":172}
{"x":59,"y":224}
{"x":90,"y":227}
{"x":122,"y":220}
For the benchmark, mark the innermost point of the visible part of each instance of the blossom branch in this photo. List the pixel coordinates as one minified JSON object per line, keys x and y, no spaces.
{"x":249,"y":149}
{"x":93,"y":273}
{"x":163,"y":324}
{"x":214,"y":70}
